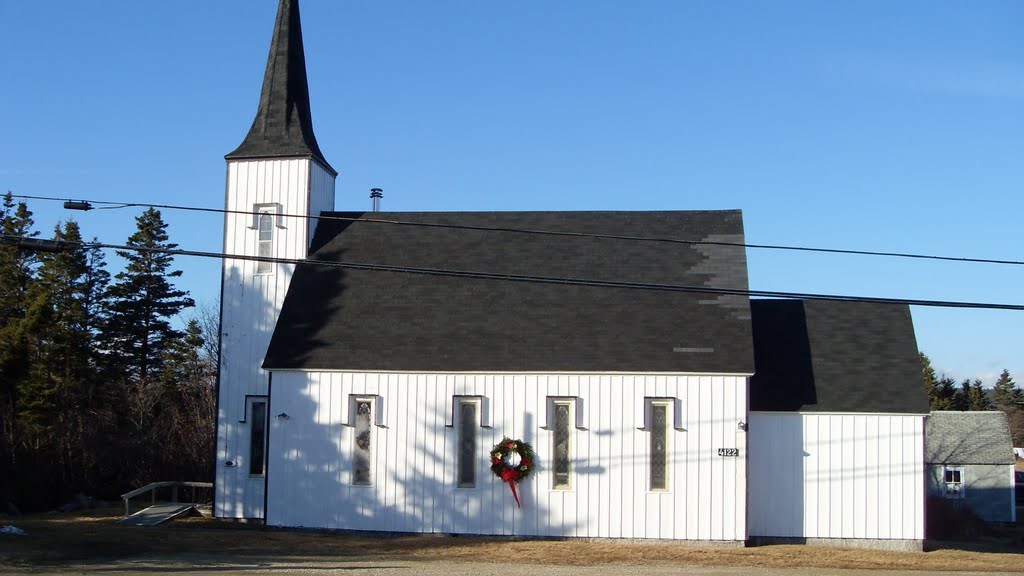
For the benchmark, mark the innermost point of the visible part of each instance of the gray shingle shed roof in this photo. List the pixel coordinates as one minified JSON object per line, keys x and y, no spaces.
{"x":829,"y":356}
{"x":967,"y":438}
{"x":351,"y":319}
{"x":283,"y":126}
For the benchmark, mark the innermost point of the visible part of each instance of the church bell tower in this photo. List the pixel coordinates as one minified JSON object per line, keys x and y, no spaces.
{"x":278,"y":181}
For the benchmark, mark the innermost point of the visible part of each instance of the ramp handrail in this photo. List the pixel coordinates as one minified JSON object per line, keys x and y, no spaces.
{"x":152,"y":486}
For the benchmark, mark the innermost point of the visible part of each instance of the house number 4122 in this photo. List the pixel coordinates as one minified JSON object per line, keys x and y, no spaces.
{"x":729,"y":452}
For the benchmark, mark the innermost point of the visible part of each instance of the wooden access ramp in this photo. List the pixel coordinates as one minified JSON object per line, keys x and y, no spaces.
{"x":157,"y":514}
{"x":161,"y":512}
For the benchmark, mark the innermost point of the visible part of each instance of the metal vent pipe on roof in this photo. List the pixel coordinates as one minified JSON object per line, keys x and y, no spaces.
{"x":375,"y":195}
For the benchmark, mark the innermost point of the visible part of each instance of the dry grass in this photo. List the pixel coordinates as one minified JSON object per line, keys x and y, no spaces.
{"x":93,"y":537}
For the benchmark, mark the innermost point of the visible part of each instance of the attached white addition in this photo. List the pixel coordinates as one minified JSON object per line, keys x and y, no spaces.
{"x":833,"y":475}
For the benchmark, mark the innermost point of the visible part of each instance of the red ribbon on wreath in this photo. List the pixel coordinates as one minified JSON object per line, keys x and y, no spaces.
{"x":511,"y":476}
{"x":505,"y":470}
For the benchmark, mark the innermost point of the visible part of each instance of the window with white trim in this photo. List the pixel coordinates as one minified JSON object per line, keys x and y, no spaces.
{"x":953,"y":482}
{"x":362,"y":442}
{"x":466,"y":460}
{"x":265,"y":232}
{"x":658,"y":455}
{"x":562,"y":440}
{"x":257,"y":436}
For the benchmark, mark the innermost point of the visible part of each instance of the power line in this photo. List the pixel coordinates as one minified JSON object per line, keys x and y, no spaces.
{"x":119,"y":205}
{"x":6,"y":238}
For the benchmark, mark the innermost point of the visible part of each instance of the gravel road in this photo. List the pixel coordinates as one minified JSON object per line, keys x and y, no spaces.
{"x":193,"y":565}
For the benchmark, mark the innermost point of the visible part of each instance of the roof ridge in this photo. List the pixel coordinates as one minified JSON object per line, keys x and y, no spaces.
{"x":528,"y":212}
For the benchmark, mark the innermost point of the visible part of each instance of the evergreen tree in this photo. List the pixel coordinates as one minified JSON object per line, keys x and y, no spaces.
{"x":17,"y":268}
{"x":977,"y":398}
{"x":931,"y":384}
{"x":94,"y":289}
{"x":64,"y":279}
{"x":945,"y":394}
{"x":140,"y":305}
{"x":1008,"y":398}
{"x":64,"y":426}
{"x":32,"y":393}
{"x":142,"y":301}
{"x":1005,"y":393}
{"x":184,"y":360}
{"x":962,"y":398}
{"x":16,"y":265}
{"x":64,"y":381}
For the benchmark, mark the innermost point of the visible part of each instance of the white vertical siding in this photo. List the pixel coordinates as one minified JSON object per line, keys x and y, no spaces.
{"x":250,"y":304}
{"x":836,"y":475}
{"x":321,"y":195}
{"x":414,"y":472}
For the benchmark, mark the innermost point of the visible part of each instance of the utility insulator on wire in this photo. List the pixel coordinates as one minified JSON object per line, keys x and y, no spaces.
{"x":77,"y":205}
{"x":34,"y":244}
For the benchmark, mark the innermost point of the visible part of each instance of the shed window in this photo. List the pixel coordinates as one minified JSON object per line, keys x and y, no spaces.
{"x":562,"y":428}
{"x":953,"y":482}
{"x":362,"y":444}
{"x":258,"y":437}
{"x":265,"y":228}
{"x":466,"y":465}
{"x":659,"y":446}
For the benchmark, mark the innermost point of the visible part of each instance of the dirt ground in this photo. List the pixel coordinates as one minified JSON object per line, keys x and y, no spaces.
{"x":61,"y":540}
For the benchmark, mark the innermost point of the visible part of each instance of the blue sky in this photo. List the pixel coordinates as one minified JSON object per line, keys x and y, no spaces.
{"x":892,"y":126}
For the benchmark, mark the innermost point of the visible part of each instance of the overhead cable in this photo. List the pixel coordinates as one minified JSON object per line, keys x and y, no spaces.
{"x":330,"y":216}
{"x":589,"y":282}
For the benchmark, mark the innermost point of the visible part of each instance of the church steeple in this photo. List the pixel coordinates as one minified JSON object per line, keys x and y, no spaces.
{"x":283,"y":125}
{"x":277,"y":185}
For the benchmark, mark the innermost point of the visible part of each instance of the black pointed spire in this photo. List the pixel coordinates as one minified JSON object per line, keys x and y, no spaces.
{"x":283,"y":124}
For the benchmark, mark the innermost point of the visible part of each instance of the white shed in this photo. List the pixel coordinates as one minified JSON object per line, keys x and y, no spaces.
{"x":970,"y":462}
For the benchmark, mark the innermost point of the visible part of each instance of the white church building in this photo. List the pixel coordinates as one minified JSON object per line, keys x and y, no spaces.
{"x":370,"y":363}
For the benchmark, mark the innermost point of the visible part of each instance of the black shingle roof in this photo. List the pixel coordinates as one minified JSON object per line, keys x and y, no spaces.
{"x":826,"y":356}
{"x":335,"y":318}
{"x":284,"y":125}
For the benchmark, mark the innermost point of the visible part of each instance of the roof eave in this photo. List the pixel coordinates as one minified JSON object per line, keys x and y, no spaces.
{"x":238,"y":157}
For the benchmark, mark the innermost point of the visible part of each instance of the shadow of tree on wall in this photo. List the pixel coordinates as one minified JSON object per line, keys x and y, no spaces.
{"x":414,"y":451}
{"x":248,"y":324}
{"x":414,"y":487}
{"x":987,"y":488}
{"x":311,"y":449}
{"x":311,"y":474}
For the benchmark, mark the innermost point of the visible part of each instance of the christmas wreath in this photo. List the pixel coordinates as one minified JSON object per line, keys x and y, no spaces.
{"x":505,"y":468}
